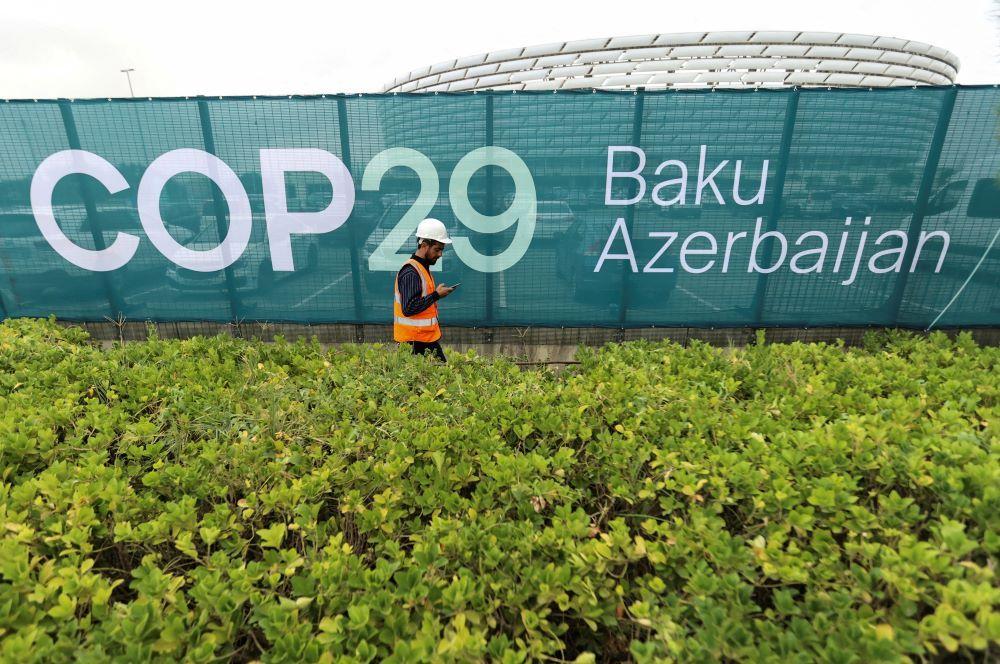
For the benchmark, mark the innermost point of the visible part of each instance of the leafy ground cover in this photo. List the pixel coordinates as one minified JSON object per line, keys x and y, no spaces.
{"x":217,"y":499}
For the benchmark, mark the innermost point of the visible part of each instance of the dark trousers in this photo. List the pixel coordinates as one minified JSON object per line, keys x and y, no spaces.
{"x":421,"y":348}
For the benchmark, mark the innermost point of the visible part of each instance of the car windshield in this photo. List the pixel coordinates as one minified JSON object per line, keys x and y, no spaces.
{"x":553,"y":207}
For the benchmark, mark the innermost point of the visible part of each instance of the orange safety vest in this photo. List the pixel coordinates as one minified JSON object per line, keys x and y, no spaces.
{"x":418,"y":327}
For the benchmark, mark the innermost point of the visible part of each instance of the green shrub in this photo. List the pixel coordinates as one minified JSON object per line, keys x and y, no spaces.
{"x":221,"y":499}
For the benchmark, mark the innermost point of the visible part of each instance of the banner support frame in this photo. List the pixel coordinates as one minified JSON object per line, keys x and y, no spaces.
{"x":345,"y":153}
{"x":218,"y":207}
{"x":639,"y":108}
{"x":93,"y":219}
{"x":3,"y":307}
{"x":895,"y":302}
{"x":490,"y":209}
{"x":791,"y":115}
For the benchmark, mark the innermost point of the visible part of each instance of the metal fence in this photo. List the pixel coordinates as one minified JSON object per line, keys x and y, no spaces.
{"x":628,"y":209}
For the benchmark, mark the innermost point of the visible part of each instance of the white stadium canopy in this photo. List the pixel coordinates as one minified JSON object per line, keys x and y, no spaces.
{"x":694,"y":60}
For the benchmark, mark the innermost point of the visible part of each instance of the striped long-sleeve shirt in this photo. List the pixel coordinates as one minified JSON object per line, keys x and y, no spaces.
{"x":411,"y":289}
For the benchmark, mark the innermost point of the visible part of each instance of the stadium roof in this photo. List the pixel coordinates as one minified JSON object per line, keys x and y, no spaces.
{"x":694,"y":60}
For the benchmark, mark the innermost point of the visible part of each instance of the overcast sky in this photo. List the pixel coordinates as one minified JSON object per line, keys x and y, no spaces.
{"x":60,"y":48}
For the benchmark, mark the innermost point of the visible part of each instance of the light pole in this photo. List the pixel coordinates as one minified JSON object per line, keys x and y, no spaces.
{"x":128,"y":75}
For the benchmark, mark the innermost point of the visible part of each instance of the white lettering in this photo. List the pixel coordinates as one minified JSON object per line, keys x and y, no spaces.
{"x":686,"y":250}
{"x":757,"y":239}
{"x":840,"y":249}
{"x":187,"y":160}
{"x":282,"y":224}
{"x":710,"y":180}
{"x":681,"y":196}
{"x":630,"y":256}
{"x":759,"y":197}
{"x":671,"y":236}
{"x":819,"y":251}
{"x":857,"y":257}
{"x":730,"y":241}
{"x":43,"y":183}
{"x":924,"y":236}
{"x":634,"y":174}
{"x":897,"y":265}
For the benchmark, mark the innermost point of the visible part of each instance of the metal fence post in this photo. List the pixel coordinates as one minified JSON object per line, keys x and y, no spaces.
{"x":791,"y":111}
{"x":630,"y":210}
{"x":490,"y":209}
{"x":3,"y":308}
{"x":345,"y":149}
{"x":219,"y":208}
{"x":93,"y":220}
{"x":920,"y":206}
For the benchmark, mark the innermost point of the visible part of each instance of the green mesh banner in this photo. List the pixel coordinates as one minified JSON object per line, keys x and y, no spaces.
{"x":621,"y":209}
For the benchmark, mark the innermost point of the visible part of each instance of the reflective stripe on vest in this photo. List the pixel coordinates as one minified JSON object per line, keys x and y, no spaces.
{"x":417,"y":322}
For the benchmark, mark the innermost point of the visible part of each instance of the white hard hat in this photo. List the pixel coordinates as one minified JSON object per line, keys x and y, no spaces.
{"x":432,"y":229}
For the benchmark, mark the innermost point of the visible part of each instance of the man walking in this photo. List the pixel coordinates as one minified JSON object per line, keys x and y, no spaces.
{"x":415,"y":310}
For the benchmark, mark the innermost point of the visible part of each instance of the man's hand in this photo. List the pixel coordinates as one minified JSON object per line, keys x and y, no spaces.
{"x":444,"y":291}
